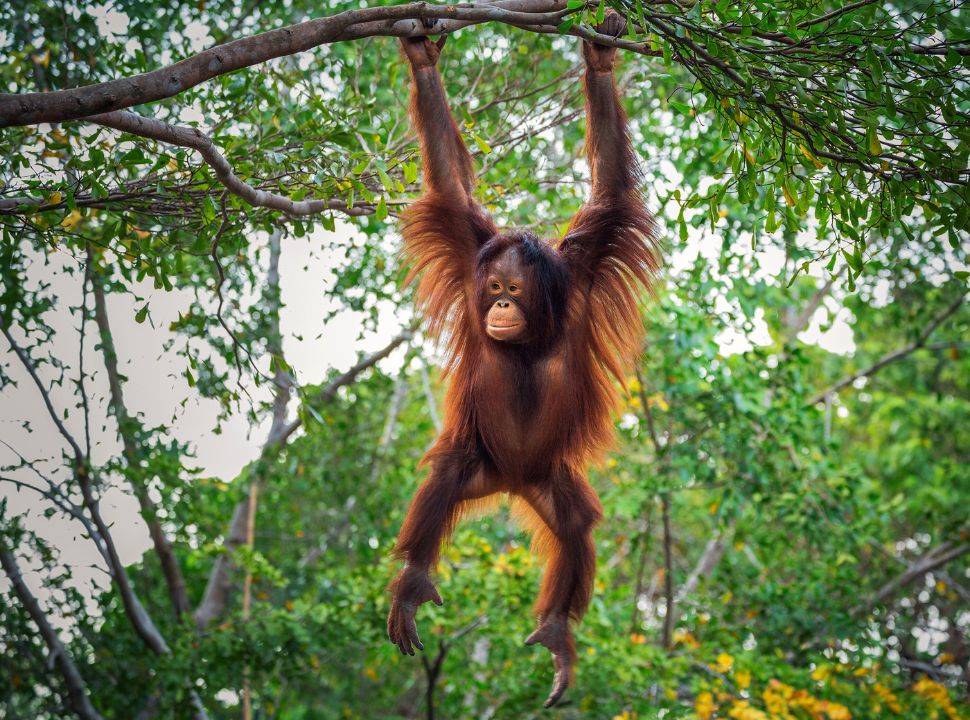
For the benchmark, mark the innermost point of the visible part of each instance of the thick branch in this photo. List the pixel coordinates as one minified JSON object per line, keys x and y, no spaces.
{"x":77,"y":691}
{"x":25,"y":205}
{"x":116,"y":404}
{"x":401,"y":20}
{"x":892,"y":357}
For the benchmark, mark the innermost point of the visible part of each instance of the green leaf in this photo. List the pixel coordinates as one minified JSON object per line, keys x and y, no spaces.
{"x":482,"y":145}
{"x":410,"y":172}
{"x":141,"y":314}
{"x":682,"y":108}
{"x":875,"y":147}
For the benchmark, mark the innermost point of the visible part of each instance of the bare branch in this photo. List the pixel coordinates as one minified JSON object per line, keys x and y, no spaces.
{"x":329,"y":391}
{"x":77,"y":690}
{"x":116,"y":405}
{"x":896,"y":355}
{"x":139,"y":618}
{"x":935,"y":558}
{"x":44,"y":393}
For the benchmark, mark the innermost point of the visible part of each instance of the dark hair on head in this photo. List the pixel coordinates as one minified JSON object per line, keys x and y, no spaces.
{"x":547,"y":316}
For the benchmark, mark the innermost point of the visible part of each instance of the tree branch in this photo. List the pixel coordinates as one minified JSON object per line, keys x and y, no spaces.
{"x":195,"y":139}
{"x":219,"y":586}
{"x":77,"y":691}
{"x":329,"y":391}
{"x":139,"y":618}
{"x":935,"y":558}
{"x":44,"y":393}
{"x":896,"y":355}
{"x":116,"y":405}
{"x":400,"y":20}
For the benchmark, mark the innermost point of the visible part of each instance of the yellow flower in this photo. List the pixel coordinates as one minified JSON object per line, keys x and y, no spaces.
{"x":822,"y":673}
{"x":937,"y":694}
{"x":743,"y":679}
{"x":501,"y":564}
{"x":742,"y":710}
{"x":684,"y":637}
{"x":723,"y":664}
{"x":638,"y":639}
{"x":704,"y":705}
{"x":835,"y":711}
{"x":888,"y":697}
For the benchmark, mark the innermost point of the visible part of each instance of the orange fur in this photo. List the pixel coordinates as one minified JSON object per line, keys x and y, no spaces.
{"x":528,"y":418}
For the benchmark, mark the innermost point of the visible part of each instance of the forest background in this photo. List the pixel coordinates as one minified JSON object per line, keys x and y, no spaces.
{"x":215,"y":390}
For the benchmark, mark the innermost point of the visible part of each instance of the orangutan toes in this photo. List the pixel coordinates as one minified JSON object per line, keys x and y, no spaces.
{"x":554,"y":634}
{"x":410,"y":590}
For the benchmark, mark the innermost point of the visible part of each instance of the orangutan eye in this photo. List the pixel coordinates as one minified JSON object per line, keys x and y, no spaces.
{"x":513,"y":288}
{"x":495,"y":286}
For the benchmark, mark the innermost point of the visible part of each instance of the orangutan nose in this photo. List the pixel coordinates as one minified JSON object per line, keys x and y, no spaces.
{"x":503,"y":303}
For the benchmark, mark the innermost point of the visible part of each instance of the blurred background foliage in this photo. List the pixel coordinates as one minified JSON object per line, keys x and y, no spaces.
{"x":786,"y":530}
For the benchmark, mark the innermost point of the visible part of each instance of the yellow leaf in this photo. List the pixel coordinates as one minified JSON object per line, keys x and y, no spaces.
{"x":750,"y":156}
{"x":789,"y":198}
{"x":276,"y":122}
{"x":814,"y":160}
{"x":71,"y":219}
{"x":54,"y":198}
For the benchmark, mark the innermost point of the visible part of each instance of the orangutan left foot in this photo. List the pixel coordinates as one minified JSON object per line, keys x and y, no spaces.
{"x":555,"y":635}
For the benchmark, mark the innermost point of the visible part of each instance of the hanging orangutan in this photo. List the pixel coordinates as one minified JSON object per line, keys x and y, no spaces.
{"x":537,"y":332}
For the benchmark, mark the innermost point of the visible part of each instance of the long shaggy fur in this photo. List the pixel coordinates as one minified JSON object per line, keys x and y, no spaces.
{"x":527,"y":418}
